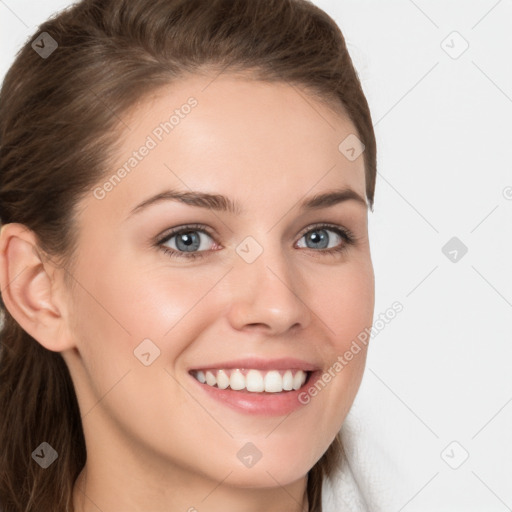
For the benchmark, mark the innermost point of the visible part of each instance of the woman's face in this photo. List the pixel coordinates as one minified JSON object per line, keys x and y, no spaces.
{"x":262,"y":288}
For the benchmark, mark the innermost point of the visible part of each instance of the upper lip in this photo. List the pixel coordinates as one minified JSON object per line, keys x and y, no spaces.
{"x":284,"y":363}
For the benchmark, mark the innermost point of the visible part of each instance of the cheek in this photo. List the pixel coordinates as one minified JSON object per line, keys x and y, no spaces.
{"x":127,"y":305}
{"x":344,"y":301}
{"x":344,"y":304}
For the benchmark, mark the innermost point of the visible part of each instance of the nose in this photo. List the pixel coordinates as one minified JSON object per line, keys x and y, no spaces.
{"x":269,"y":295}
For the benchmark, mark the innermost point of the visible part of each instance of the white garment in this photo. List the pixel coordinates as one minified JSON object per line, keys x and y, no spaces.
{"x":366,"y":479}
{"x":341,"y":492}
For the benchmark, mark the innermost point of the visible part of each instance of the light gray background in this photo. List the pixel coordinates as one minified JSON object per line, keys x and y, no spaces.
{"x":440,"y":371}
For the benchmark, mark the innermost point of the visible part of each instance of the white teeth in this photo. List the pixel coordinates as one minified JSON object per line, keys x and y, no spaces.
{"x":288,"y":381}
{"x":255,"y":381}
{"x":222,"y":379}
{"x":211,"y":379}
{"x":237,"y":380}
{"x":273,"y":382}
{"x":297,"y":380}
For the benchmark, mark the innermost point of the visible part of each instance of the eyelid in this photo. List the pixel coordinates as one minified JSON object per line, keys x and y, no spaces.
{"x":327,"y":225}
{"x":169,"y":233}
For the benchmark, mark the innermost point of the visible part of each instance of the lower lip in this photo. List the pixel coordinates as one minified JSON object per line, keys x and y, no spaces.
{"x":268,"y":404}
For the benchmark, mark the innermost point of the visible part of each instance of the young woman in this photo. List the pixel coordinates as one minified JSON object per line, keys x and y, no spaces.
{"x":184,"y":258}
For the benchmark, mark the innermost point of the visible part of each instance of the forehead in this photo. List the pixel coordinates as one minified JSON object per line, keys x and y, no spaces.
{"x":255,"y":141}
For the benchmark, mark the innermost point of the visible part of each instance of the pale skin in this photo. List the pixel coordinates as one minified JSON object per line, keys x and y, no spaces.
{"x":153,"y":441}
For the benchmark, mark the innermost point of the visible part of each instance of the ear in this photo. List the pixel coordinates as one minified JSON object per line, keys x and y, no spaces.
{"x":29,"y":288}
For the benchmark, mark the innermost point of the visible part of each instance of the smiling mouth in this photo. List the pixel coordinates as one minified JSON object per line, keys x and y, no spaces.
{"x":252,"y":380}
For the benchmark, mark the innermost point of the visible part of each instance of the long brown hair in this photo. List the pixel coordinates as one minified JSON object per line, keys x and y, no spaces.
{"x":60,"y":117}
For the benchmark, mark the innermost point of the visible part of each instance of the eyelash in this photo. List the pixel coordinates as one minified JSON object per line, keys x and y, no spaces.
{"x":348,"y":237}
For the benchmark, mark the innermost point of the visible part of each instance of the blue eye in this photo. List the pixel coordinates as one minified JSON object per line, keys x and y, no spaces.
{"x":319,"y":237}
{"x":189,"y":241}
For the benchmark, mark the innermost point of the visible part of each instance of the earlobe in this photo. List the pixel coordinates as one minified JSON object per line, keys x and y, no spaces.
{"x":28,"y":290}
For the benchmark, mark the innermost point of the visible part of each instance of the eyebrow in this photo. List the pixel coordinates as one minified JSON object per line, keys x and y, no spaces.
{"x":222,"y":203}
